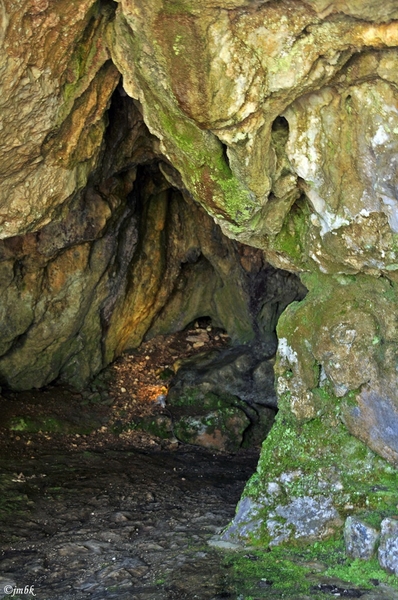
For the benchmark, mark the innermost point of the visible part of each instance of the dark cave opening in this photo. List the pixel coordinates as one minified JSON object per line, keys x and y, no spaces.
{"x":154,"y":263}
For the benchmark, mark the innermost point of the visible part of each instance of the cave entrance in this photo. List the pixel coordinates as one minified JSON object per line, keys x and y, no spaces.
{"x":144,"y":327}
{"x":132,"y":260}
{"x":174,"y":268}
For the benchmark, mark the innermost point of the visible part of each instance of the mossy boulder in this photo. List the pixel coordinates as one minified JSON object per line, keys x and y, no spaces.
{"x":205,"y":419}
{"x":340,"y":346}
{"x":234,"y":388}
{"x":334,"y":348}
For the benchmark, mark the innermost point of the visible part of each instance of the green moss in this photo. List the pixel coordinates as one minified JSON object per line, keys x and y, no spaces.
{"x":49,"y":425}
{"x":190,"y":397}
{"x":177,"y":7}
{"x":355,"y":571}
{"x":361,"y":573}
{"x":158,"y":426}
{"x":364,"y":479}
{"x":248,"y":571}
{"x":289,"y":570}
{"x":291,"y":240}
{"x":199,"y":157}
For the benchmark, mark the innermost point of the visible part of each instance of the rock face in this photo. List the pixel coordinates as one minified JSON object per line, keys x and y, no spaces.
{"x":278,"y":118}
{"x":233,"y":388}
{"x":281,"y":119}
{"x":388,"y":549}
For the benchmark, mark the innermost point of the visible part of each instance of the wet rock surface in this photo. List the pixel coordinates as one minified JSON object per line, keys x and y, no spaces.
{"x":225,"y":399}
{"x":137,"y":522}
{"x":118,"y":523}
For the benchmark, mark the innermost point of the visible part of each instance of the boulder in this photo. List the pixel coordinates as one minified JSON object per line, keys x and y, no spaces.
{"x":360,"y":538}
{"x":388,"y":548}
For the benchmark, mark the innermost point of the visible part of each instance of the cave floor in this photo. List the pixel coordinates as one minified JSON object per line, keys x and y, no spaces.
{"x":119,"y":523}
{"x":109,"y":410}
{"x":93,"y":508}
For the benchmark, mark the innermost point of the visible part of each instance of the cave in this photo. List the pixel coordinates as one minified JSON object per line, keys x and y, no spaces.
{"x":130,"y":258}
{"x":198,"y":285}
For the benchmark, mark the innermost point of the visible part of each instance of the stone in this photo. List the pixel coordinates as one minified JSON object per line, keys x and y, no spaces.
{"x":232,"y":379}
{"x":241,"y":371}
{"x":271,"y":123}
{"x":303,"y":518}
{"x":220,"y":429}
{"x":375,"y":419}
{"x":54,"y":118}
{"x":247,"y":522}
{"x":360,"y":538}
{"x":71,"y":286}
{"x":388,"y":548}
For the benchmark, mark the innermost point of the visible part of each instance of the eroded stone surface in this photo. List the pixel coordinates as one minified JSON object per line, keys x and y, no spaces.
{"x":126,"y":257}
{"x":388,"y":549}
{"x":56,"y":83}
{"x":360,"y":538}
{"x":119,"y":524}
{"x":289,"y":141}
{"x":235,"y":383}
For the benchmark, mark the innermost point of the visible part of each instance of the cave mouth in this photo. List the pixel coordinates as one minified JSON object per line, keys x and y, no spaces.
{"x":129,"y":260}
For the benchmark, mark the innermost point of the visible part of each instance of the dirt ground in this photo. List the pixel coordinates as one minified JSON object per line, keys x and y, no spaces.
{"x":56,"y":418}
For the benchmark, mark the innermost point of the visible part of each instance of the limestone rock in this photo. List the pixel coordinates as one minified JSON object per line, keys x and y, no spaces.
{"x":240,"y":371}
{"x":289,"y":141}
{"x":236,"y":377}
{"x":220,"y":429}
{"x":305,"y":518}
{"x":200,"y":74}
{"x":245,"y":522}
{"x":70,"y":303}
{"x":279,"y":119}
{"x":360,"y":538}
{"x":56,"y":82}
{"x":308,"y":517}
{"x":388,"y":549}
{"x":375,"y":419}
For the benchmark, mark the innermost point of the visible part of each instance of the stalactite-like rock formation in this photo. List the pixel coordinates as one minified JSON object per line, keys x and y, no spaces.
{"x":279,"y":119}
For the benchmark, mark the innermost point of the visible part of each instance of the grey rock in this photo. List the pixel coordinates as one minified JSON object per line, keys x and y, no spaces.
{"x":388,"y":549}
{"x":217,"y":542}
{"x":245,"y":372}
{"x":263,"y":383}
{"x":305,"y":517}
{"x":360,"y":538}
{"x":96,"y":546}
{"x":238,"y":379}
{"x":375,"y":420}
{"x":245,"y":522}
